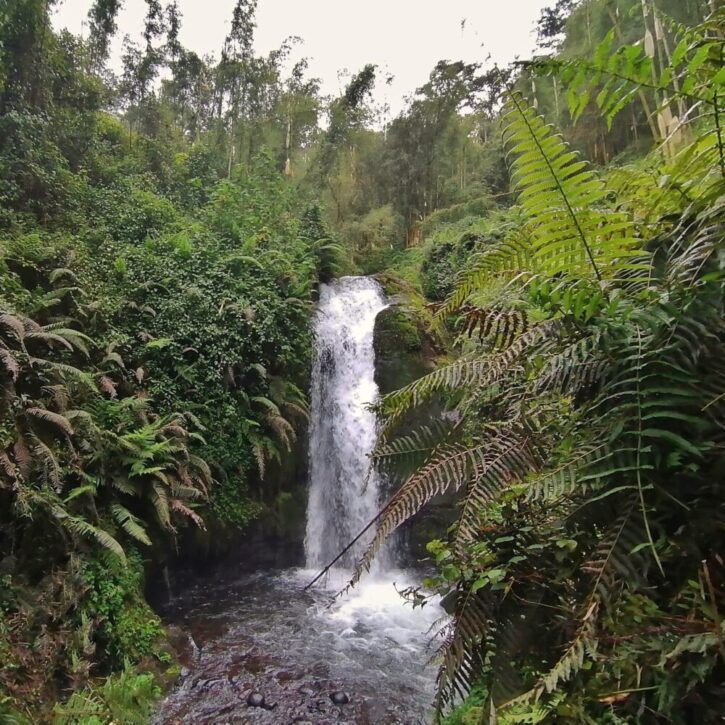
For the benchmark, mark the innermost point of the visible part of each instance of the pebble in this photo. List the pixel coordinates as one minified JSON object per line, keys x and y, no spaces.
{"x":255,"y":699}
{"x":340,"y":698}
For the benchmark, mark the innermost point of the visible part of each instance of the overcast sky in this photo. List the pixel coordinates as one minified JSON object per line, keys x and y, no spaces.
{"x":404,"y":37}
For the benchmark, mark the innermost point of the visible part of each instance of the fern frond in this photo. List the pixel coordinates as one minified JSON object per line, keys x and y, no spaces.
{"x":419,"y":441}
{"x":461,"y":651}
{"x":13,"y":324}
{"x":7,"y":467}
{"x":478,"y":372}
{"x":160,"y":501}
{"x":59,"y":395}
{"x":77,"y":339}
{"x":55,"y":419}
{"x":108,"y":386}
{"x":23,"y":457}
{"x":63,"y":272}
{"x":260,"y":457}
{"x":499,"y":325}
{"x":67,"y":372}
{"x":283,"y":429}
{"x":74,"y":524}
{"x":613,"y":562}
{"x":51,"y":466}
{"x":567,"y":477}
{"x":49,"y":337}
{"x":115,"y":358}
{"x":182,"y":508}
{"x":578,"y":366}
{"x":508,"y":459}
{"x":512,"y":255}
{"x":449,"y":467}
{"x":266,"y":403}
{"x":9,"y":363}
{"x":572,"y":229}
{"x":129,"y":523}
{"x":201,"y":467}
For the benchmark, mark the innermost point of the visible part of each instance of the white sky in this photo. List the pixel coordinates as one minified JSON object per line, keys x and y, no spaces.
{"x":404,"y":37}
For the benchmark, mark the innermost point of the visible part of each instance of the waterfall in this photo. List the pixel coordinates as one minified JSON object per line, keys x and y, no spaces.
{"x":370,"y":642}
{"x":343,"y":498}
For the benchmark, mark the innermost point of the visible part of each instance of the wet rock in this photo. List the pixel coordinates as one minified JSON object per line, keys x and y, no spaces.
{"x":225,"y":709}
{"x":206,"y":685}
{"x":8,"y":565}
{"x":448,"y":602}
{"x":255,"y":699}
{"x":257,"y":663}
{"x":283,"y":676}
{"x":340,"y":698}
{"x":195,"y":649}
{"x":321,"y":669}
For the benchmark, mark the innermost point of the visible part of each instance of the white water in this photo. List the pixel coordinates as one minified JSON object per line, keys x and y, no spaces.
{"x":378,"y":635}
{"x":344,"y":494}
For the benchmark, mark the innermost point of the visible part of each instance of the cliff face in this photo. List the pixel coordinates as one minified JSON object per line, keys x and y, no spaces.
{"x":405,"y":350}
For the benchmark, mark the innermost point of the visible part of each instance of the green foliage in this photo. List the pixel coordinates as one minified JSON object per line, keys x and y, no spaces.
{"x":127,"y":630}
{"x":452,"y":244}
{"x":157,"y":274}
{"x":158,"y":268}
{"x":582,"y":570}
{"x":470,"y":712}
{"x":126,"y":697}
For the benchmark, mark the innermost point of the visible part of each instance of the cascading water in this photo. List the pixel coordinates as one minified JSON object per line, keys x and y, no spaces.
{"x":262,"y":632}
{"x":344,"y":492}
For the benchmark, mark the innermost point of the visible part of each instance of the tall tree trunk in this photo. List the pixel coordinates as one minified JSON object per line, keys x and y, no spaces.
{"x":649,"y":116}
{"x":288,"y":162}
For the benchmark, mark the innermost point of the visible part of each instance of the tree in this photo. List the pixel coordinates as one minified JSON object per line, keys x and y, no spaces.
{"x":102,"y":21}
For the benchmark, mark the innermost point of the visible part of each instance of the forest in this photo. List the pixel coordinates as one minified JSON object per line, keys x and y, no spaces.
{"x":553,"y":232}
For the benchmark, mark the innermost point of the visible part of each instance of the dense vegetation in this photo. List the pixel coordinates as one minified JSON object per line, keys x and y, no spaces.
{"x":162,"y":234}
{"x":153,"y":348}
{"x":584,"y":571}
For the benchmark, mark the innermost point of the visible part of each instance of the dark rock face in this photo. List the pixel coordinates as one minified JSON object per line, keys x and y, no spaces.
{"x":403,"y":351}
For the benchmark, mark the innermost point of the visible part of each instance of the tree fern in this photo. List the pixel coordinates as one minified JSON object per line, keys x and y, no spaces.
{"x":573,"y":229}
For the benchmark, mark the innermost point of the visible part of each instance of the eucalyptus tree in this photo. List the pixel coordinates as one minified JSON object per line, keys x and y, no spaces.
{"x":234,"y":74}
{"x":102,"y":23}
{"x":298,"y":110}
{"x":420,"y":143}
{"x":348,"y":115}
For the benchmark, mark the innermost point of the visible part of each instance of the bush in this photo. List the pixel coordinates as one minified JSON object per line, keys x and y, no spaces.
{"x":127,"y":628}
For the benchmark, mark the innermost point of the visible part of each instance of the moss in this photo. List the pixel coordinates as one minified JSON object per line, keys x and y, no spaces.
{"x":396,"y":326}
{"x":399,"y":349}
